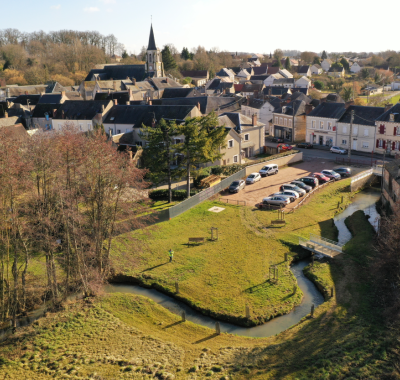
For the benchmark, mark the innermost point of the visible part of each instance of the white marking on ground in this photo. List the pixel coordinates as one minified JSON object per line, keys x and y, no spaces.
{"x":216,"y":209}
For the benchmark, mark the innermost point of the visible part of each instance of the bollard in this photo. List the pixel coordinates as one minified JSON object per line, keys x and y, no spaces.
{"x":183,"y":316}
{"x":286,"y":256}
{"x":342,"y":198}
{"x":176,"y":287}
{"x":312,"y":311}
{"x":217,"y":328}
{"x":247,"y":312}
{"x":338,"y":204}
{"x":332,"y":291}
{"x":277,"y":274}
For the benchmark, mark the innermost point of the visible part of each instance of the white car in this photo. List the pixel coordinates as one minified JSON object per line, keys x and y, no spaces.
{"x":277,"y":200}
{"x":335,"y":149}
{"x":293,"y":195}
{"x":253,"y":178}
{"x":269,"y":170}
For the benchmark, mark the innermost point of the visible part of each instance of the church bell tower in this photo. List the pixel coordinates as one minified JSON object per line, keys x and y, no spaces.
{"x":154,"y":65}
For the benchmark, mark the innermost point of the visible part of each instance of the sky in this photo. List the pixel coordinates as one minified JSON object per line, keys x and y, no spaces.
{"x":259,"y":26}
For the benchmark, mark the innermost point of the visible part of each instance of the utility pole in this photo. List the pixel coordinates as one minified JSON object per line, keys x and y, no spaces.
{"x":383,"y":167}
{"x":351,"y":132}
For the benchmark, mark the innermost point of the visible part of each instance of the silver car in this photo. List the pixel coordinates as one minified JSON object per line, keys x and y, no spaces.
{"x":253,"y":178}
{"x":331,"y":174}
{"x":336,"y":149}
{"x":277,"y":200}
{"x":293,"y":195}
{"x":289,"y":186}
{"x":269,"y":170}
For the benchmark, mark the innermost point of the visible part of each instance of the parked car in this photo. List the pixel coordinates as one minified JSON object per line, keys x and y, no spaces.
{"x":321,"y":178}
{"x":305,"y":145}
{"x":302,"y":185}
{"x":284,"y":147}
{"x":269,"y":170}
{"x":293,"y":195}
{"x":235,"y":186}
{"x":253,"y":178}
{"x":277,"y":200}
{"x":336,"y":149}
{"x":310,"y":181}
{"x":290,"y":187}
{"x":344,"y":172}
{"x":277,"y":139}
{"x":331,"y":174}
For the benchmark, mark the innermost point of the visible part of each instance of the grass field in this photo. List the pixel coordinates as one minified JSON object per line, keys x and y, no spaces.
{"x":222,"y":277}
{"x":130,"y":337}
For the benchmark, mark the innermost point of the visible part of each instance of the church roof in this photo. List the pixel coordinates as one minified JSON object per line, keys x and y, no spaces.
{"x":152,"y":42}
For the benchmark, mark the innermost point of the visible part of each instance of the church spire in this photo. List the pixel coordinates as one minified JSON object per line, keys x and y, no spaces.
{"x":152,"y":42}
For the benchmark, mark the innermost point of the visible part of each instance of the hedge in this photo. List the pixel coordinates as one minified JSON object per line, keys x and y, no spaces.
{"x":177,"y":195}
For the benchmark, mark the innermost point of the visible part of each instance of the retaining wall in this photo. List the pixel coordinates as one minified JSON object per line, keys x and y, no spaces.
{"x":281,"y":161}
{"x":361,"y":180}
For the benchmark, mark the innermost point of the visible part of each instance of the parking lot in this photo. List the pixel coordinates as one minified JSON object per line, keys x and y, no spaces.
{"x":267,"y":186}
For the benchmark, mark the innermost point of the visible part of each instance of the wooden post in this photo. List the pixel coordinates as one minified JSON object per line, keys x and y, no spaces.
{"x":277,"y":274}
{"x":342,"y":198}
{"x":247,"y":311}
{"x":338,"y":204}
{"x":286,"y":256}
{"x":176,"y":287}
{"x":332,"y":291}
{"x":312,"y":310}
{"x":217,"y":328}
{"x":183,"y":316}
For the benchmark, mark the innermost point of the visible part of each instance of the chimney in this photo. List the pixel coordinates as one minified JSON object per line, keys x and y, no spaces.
{"x":388,"y":107}
{"x":128,"y":103}
{"x":62,"y":114}
{"x":198,"y":105}
{"x":283,"y":103}
{"x":133,"y":81}
{"x":98,"y":119}
{"x":115,"y":102}
{"x":150,"y":103}
{"x":62,"y":94}
{"x":115,"y":85}
{"x":254,"y":120}
{"x":54,"y":113}
{"x":288,"y":100}
{"x":309,"y":108}
{"x":5,"y":114}
{"x":348,"y":104}
{"x":153,"y":123}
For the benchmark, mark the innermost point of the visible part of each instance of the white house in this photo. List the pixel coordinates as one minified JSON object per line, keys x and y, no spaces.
{"x":363,"y":130}
{"x":303,"y":82}
{"x":316,"y":69}
{"x":263,"y":110}
{"x":285,"y":73}
{"x":244,"y":74}
{"x":395,"y":86}
{"x":270,"y":80}
{"x":321,"y":123}
{"x":355,"y":68}
{"x":326,"y":64}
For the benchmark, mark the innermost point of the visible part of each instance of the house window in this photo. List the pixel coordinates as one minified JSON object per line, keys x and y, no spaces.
{"x":230,"y":144}
{"x":344,"y":129}
{"x":81,"y":127}
{"x":380,"y":143}
{"x":276,"y":120}
{"x":89,"y":126}
{"x":246,"y":137}
{"x":285,"y":122}
{"x":118,"y":131}
{"x":138,"y":143}
{"x":110,"y":130}
{"x":366,"y":131}
{"x":321,"y":125}
{"x":280,"y":121}
{"x":355,"y":131}
{"x":365,"y":144}
{"x":344,"y":142}
{"x":313,"y":124}
{"x":235,"y":159}
{"x":329,"y":126}
{"x":290,"y":122}
{"x":59,"y":127}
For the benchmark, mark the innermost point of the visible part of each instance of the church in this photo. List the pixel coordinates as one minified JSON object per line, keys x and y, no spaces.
{"x":154,"y":64}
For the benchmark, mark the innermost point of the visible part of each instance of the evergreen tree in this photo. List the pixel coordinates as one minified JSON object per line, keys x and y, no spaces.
{"x":324,"y":55}
{"x":185,"y":54}
{"x":159,"y":152}
{"x":345,"y":64}
{"x":202,"y":143}
{"x":288,"y":65}
{"x":125,"y":55}
{"x":168,"y":59}
{"x":316,"y":61}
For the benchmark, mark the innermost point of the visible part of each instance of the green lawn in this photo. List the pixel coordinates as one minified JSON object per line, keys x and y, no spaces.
{"x":395,"y":99}
{"x":222,"y":277}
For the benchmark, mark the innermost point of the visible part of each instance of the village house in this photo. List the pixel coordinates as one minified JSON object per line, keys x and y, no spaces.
{"x":322,"y":123}
{"x":336,"y":72}
{"x":355,"y":68}
{"x":252,"y":89}
{"x":83,"y":115}
{"x":362,"y":138}
{"x":316,"y":69}
{"x":303,"y":82}
{"x":272,"y":78}
{"x":199,"y":77}
{"x":391,"y":185}
{"x":326,"y":64}
{"x":304,"y":70}
{"x":42,"y":116}
{"x":387,"y":138}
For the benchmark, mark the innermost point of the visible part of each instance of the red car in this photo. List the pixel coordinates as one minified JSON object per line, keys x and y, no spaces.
{"x":321,"y":178}
{"x":284,"y":147}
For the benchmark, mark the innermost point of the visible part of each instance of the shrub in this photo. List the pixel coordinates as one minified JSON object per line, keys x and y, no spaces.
{"x":319,"y":85}
{"x":177,"y":195}
{"x":198,"y":179}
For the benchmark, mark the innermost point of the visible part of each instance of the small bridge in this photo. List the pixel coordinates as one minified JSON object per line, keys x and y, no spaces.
{"x":319,"y":244}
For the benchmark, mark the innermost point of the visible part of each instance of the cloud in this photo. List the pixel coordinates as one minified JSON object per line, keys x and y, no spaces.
{"x":91,"y":9}
{"x":58,"y":6}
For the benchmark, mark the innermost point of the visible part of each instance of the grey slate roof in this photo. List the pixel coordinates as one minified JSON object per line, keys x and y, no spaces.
{"x":299,"y":95}
{"x":195,"y":73}
{"x":23,"y":99}
{"x":152,"y":42}
{"x":276,"y":90}
{"x":262,"y":77}
{"x":164,"y":82}
{"x":386,"y":115}
{"x":179,"y":92}
{"x":298,"y":107}
{"x":335,"y":69}
{"x":336,"y":98}
{"x":259,"y":70}
{"x":43,"y":108}
{"x":252,"y":87}
{"x":362,"y":115}
{"x":303,"y":69}
{"x":237,"y":121}
{"x":80,"y":109}
{"x":328,"y":110}
{"x":144,"y":114}
{"x":207,"y":103}
{"x":50,"y":99}
{"x":121,"y":96}
{"x":282,"y":81}
{"x":255,"y":103}
{"x":119,"y":72}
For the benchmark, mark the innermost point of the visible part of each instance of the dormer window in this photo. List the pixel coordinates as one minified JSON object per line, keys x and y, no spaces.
{"x":391,"y":117}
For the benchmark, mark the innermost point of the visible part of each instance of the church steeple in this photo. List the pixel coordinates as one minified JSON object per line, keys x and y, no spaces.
{"x":154,"y":65}
{"x":152,"y":42}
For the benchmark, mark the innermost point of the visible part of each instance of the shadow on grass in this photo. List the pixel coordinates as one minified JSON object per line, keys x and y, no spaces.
{"x":329,"y":230}
{"x":296,"y":248}
{"x":159,"y":265}
{"x":172,"y":325}
{"x":254,"y":288}
{"x":206,"y":338}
